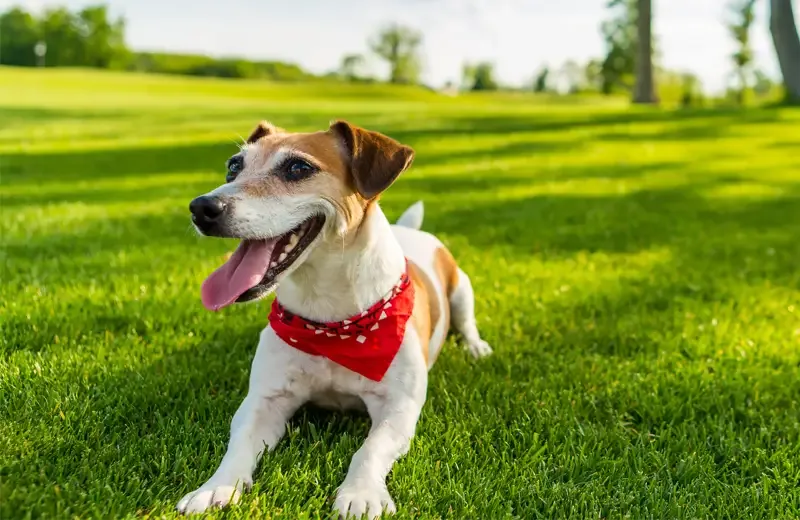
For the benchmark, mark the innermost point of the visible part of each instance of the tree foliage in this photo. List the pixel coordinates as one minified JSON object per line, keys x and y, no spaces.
{"x":540,"y":83}
{"x":19,"y":33}
{"x":199,"y":65}
{"x":90,"y":37}
{"x":739,"y":27}
{"x":350,"y":68}
{"x":619,"y":34}
{"x":479,"y":76}
{"x":399,"y":46}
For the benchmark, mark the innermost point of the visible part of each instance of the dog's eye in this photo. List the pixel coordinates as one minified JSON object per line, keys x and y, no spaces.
{"x":298,"y":169}
{"x":235,"y":165}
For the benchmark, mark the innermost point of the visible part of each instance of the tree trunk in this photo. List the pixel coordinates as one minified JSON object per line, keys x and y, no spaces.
{"x":644,"y":91}
{"x":787,"y":46}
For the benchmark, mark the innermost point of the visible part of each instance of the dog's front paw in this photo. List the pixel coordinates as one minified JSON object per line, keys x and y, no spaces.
{"x":479,"y":348}
{"x":356,"y":500}
{"x":210,"y":495}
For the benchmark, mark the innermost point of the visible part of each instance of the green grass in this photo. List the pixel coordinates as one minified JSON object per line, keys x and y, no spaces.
{"x":637,"y":273}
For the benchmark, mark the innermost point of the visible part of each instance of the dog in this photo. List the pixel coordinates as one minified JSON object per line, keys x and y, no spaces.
{"x":361,"y":309}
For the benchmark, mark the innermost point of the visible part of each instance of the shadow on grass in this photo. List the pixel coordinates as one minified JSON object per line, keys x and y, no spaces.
{"x":538,"y":122}
{"x":88,"y":165}
{"x":500,"y":152}
{"x":9,"y":115}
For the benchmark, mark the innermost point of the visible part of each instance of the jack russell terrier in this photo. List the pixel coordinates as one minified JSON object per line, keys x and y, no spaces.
{"x":362,"y":307}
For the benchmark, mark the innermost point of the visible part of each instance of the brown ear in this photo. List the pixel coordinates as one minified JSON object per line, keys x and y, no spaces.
{"x":264,"y":128}
{"x":376,"y":160}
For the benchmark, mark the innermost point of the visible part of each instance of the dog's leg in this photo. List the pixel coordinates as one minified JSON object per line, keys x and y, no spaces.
{"x":394,"y":420}
{"x":257,"y":426}
{"x":462,"y":310}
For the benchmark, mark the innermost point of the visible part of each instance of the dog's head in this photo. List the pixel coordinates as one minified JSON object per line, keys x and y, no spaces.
{"x":284,"y":194}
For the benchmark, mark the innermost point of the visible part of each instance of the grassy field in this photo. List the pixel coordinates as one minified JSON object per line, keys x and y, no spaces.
{"x":637,"y":274}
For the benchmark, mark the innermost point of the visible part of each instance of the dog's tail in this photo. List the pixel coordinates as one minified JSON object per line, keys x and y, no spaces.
{"x":412,"y":217}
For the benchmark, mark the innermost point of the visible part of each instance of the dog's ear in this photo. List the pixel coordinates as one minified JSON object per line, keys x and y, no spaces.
{"x":264,"y":128}
{"x":376,"y":160}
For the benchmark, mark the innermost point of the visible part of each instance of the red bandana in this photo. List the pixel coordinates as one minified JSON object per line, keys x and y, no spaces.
{"x":365,"y":344}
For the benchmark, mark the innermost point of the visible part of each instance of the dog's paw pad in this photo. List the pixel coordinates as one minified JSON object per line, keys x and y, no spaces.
{"x":355,"y":501}
{"x":479,"y":348}
{"x":208,"y":497}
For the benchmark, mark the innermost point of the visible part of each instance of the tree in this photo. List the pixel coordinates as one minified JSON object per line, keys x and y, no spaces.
{"x":86,"y":38}
{"x":762,"y":84}
{"x":19,"y":32}
{"x":743,"y":10}
{"x":102,"y":39}
{"x":692,"y":90}
{"x":60,"y":32}
{"x":351,"y":66}
{"x":787,"y":46}
{"x":540,"y":83}
{"x":644,"y":90}
{"x":593,"y":74}
{"x":467,"y":76}
{"x":479,"y":76}
{"x":399,"y":47}
{"x":619,"y":33}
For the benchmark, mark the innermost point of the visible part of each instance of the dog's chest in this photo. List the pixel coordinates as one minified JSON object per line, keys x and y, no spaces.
{"x":332,"y":386}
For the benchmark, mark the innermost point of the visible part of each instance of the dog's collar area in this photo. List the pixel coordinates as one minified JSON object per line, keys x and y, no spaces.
{"x":366,"y":343}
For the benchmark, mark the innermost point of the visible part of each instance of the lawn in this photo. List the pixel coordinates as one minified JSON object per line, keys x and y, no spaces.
{"x":637,"y":274}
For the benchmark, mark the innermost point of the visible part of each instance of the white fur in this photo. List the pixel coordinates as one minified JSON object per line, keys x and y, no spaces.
{"x":333,"y":284}
{"x":413,"y":216}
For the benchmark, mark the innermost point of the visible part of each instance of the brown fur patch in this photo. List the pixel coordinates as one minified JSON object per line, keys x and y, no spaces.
{"x":263,"y":129}
{"x":376,"y":160}
{"x":422,"y":318}
{"x":446,"y":269}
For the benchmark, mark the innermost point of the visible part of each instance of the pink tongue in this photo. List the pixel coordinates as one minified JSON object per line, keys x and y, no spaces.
{"x":245,"y":268}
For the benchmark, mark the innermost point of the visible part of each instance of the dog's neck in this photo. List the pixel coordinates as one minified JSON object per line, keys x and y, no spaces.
{"x":339,"y":281}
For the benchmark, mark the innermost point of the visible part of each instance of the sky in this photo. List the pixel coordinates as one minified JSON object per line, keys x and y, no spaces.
{"x":518,"y":36}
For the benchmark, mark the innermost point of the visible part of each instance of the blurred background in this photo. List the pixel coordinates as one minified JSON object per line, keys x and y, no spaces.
{"x":620,"y":179}
{"x":701,"y":51}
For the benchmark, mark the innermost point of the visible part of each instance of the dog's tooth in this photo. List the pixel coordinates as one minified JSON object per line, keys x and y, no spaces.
{"x":292,"y":242}
{"x":282,"y":257}
{"x":274,"y":264}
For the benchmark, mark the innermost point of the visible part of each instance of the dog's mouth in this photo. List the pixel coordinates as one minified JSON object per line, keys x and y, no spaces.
{"x":252,"y":271}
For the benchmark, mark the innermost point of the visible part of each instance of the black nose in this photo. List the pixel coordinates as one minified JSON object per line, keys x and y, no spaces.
{"x":206,"y":210}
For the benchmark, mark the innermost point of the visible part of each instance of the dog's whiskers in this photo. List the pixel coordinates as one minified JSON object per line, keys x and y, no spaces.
{"x":244,"y":142}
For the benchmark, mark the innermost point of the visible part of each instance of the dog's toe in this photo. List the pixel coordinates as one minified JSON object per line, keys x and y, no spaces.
{"x":209,"y":496}
{"x":356,"y":501}
{"x":479,"y":349}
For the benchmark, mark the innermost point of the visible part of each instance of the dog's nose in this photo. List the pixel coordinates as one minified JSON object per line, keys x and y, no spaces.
{"x":206,"y":210}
